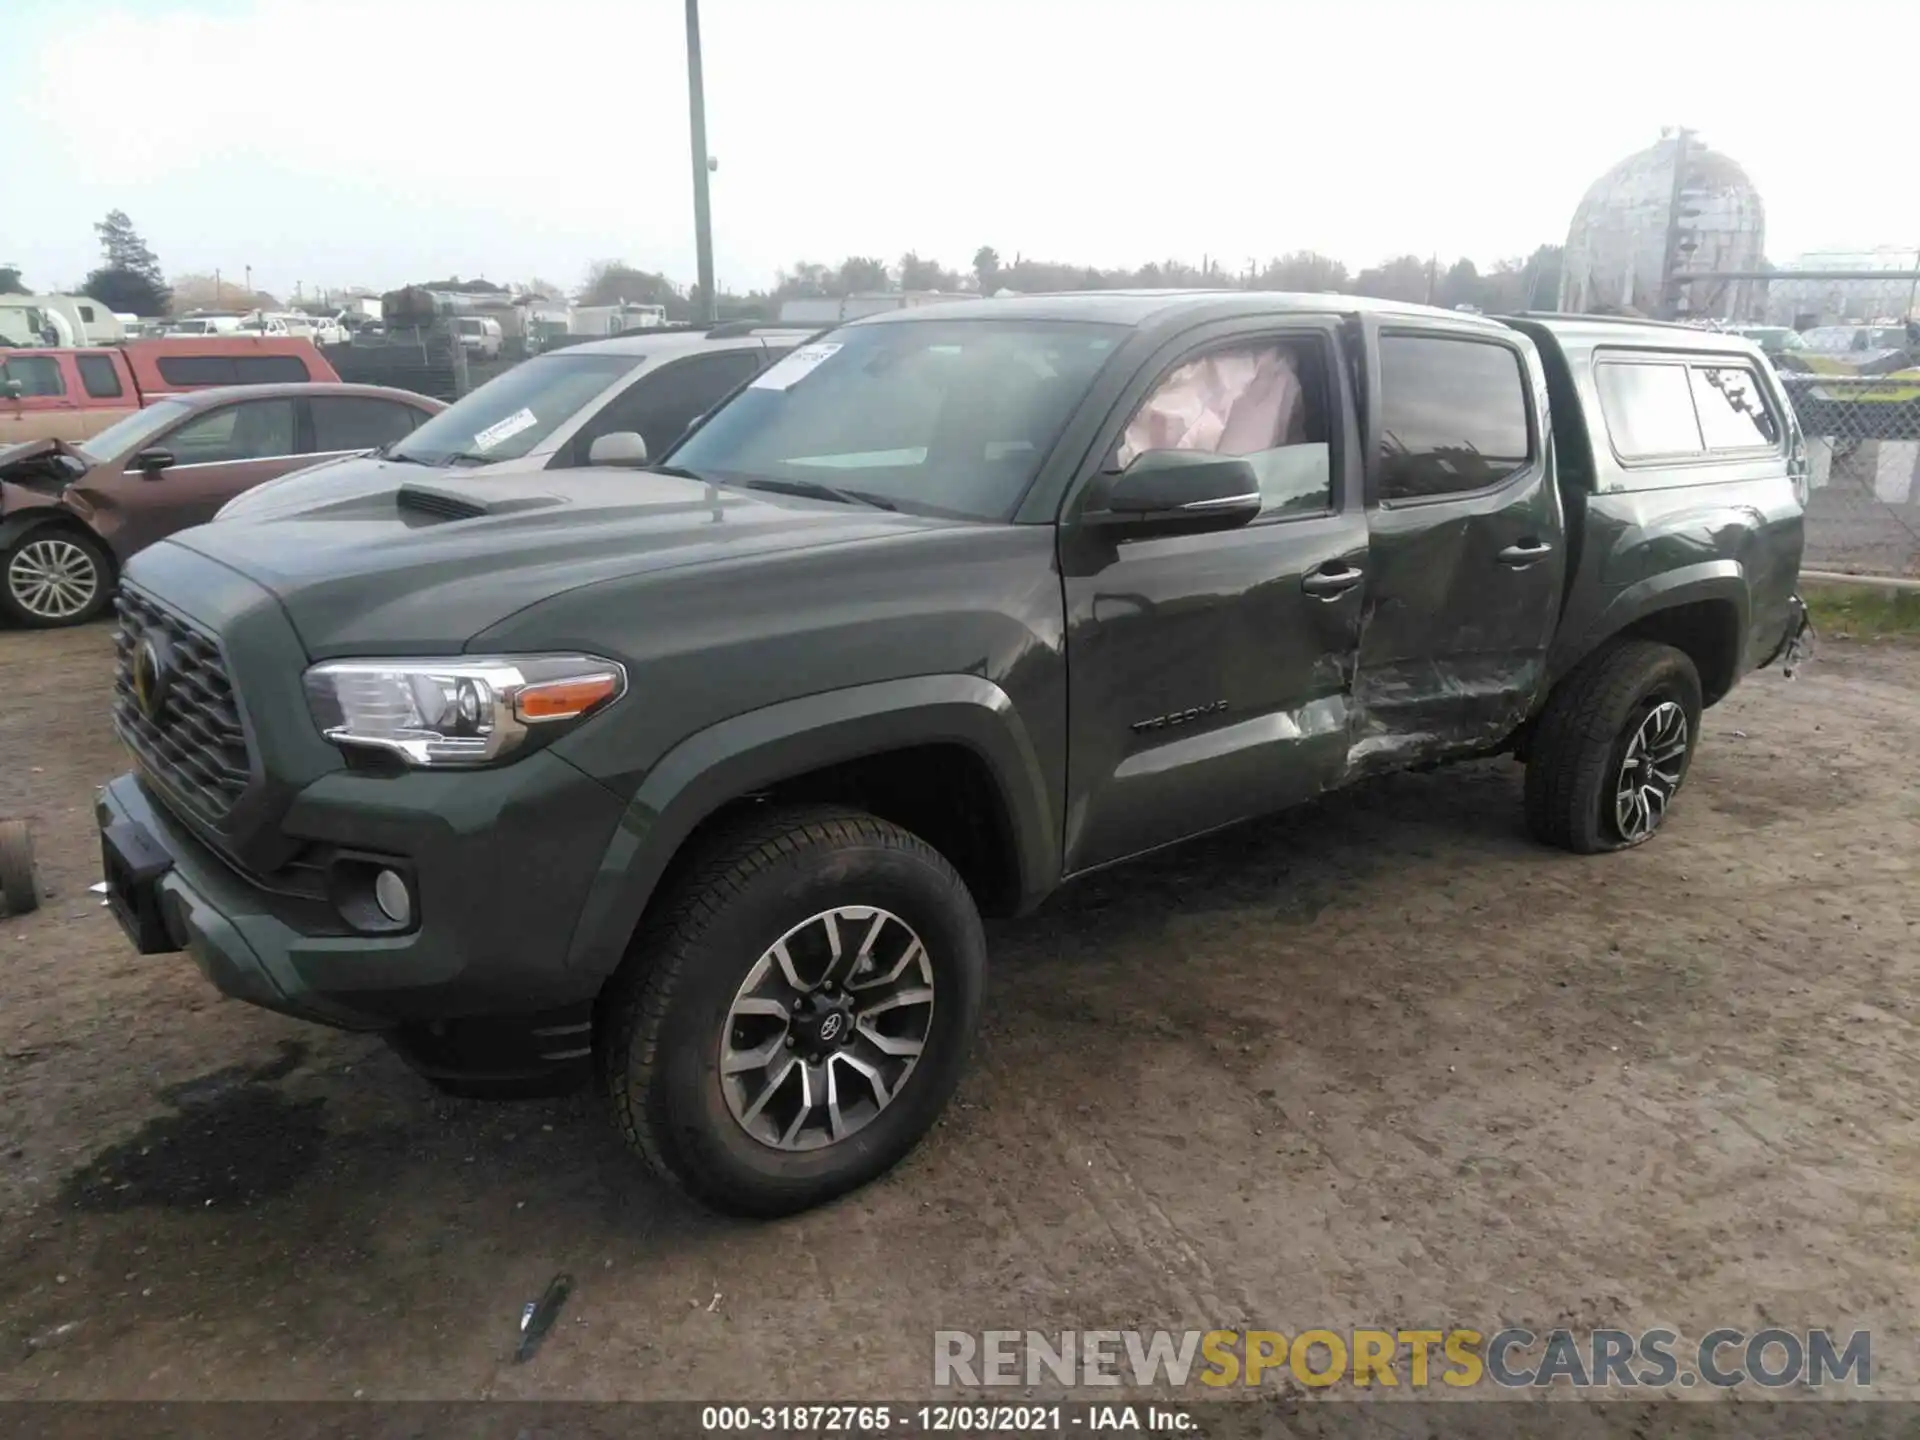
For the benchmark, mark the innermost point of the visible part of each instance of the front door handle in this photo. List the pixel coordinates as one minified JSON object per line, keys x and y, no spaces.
{"x":1525,"y":553}
{"x":1328,"y":583}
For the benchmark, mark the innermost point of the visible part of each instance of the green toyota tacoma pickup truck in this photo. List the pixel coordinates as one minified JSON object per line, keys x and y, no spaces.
{"x":698,"y":779}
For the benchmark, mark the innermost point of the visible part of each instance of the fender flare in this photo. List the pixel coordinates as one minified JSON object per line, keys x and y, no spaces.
{"x":1708,"y":580}
{"x":752,"y":751}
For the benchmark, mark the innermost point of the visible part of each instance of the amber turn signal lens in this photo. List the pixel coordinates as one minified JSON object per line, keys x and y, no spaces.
{"x":564,"y":699}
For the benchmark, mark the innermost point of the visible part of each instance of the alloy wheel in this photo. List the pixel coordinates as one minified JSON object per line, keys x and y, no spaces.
{"x":1650,"y":771}
{"x":827,"y":1027}
{"x":53,"y":578}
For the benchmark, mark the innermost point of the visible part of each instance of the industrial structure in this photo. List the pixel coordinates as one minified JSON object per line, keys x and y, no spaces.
{"x":1674,"y":209}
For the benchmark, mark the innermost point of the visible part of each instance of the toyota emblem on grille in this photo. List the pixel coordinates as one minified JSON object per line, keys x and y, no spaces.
{"x":152,"y":675}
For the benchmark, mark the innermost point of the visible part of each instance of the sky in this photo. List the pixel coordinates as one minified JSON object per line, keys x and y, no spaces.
{"x":378,"y":142}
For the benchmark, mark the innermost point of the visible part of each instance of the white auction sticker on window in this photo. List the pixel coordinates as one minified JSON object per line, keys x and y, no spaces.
{"x":800,"y":363}
{"x":506,"y":429}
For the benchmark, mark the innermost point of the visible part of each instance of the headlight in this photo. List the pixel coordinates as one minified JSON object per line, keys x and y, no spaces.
{"x":472,"y":710}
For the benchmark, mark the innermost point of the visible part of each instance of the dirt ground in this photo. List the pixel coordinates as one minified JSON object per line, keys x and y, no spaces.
{"x":1378,"y":1062}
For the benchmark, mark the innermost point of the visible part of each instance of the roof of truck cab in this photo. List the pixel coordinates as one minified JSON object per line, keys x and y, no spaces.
{"x":1141,"y":307}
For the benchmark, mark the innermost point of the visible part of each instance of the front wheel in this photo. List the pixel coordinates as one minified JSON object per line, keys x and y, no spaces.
{"x":1612,"y":748}
{"x":55,"y":575}
{"x":797,"y":1012}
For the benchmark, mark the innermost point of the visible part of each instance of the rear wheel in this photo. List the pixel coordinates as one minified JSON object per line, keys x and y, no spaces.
{"x":797,"y":1013}
{"x":1612,"y":748}
{"x":55,"y":575}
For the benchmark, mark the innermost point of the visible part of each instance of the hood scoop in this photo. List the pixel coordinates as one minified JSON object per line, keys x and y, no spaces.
{"x":446,"y":502}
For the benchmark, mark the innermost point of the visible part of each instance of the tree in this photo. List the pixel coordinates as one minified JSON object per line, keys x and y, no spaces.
{"x":203,"y":292}
{"x":1461,"y":285}
{"x":861,"y":273}
{"x":130,"y":281}
{"x":1517,"y":284}
{"x":1303,"y":272}
{"x":611,"y":282}
{"x":986,"y":269}
{"x":1405,"y":277}
{"x":918,"y":274}
{"x":806,"y":280}
{"x":10,"y":282}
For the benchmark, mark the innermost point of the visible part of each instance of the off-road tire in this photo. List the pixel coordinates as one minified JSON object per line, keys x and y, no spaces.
{"x":1578,"y":743}
{"x":663,"y":1016}
{"x":16,"y":868}
{"x":17,"y":613}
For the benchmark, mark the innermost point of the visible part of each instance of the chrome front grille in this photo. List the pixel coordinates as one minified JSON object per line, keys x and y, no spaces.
{"x":174,"y":708}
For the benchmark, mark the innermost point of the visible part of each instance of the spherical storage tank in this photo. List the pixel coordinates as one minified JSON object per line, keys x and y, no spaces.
{"x":1617,"y":244}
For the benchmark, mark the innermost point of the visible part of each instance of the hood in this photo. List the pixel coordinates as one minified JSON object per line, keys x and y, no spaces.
{"x":372,"y":574}
{"x":34,"y":472}
{"x":332,"y":483}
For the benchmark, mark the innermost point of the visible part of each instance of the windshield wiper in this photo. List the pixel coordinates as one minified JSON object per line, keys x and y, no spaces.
{"x":465,"y":457}
{"x":387,"y":452}
{"x":814,"y":490}
{"x":811,"y":489}
{"x":680,"y":472}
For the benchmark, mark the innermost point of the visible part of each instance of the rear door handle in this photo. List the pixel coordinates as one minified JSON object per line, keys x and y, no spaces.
{"x":1328,"y":583}
{"x":1525,"y":553}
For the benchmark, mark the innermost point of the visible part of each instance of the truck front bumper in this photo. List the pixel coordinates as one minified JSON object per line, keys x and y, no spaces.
{"x":477,"y":989}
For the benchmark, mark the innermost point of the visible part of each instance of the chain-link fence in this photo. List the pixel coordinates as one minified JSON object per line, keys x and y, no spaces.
{"x":1863,"y":438}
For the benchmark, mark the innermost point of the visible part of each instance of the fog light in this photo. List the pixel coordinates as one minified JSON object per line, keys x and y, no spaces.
{"x":390,"y":894}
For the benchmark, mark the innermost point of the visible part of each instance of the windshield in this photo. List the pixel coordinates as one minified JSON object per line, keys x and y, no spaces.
{"x":512,"y":413}
{"x":129,"y":434}
{"x":189,"y":327}
{"x":470,"y":327}
{"x":944,"y":417}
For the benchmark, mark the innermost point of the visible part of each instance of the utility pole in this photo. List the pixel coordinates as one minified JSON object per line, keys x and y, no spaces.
{"x":697,"y":111}
{"x":1670,"y":253}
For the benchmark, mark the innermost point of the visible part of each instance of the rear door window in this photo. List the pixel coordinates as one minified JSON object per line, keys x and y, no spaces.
{"x":1648,"y":407}
{"x":100,"y":376}
{"x":356,"y":422}
{"x":203,"y":370}
{"x":1453,"y":416}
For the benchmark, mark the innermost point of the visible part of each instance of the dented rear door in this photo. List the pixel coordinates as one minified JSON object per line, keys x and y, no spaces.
{"x":1467,"y":541}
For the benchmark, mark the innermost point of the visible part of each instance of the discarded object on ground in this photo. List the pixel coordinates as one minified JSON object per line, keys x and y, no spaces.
{"x":16,"y":868}
{"x":538,"y":1317}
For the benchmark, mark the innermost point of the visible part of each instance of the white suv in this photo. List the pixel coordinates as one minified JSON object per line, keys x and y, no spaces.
{"x":605,"y":402}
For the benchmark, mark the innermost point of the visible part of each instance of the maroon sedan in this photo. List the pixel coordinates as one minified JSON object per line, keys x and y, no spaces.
{"x":70,"y":515}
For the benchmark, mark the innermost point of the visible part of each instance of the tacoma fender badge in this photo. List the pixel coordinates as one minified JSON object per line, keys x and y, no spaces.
{"x":1180,"y":717}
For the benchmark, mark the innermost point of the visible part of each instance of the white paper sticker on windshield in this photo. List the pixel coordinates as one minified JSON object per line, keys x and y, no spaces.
{"x":506,"y":429}
{"x":801,"y":362}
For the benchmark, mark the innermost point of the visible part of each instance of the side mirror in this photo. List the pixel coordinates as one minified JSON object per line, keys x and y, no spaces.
{"x":617,"y":447}
{"x":13,"y":389}
{"x":1176,"y":492}
{"x":151,"y":462}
